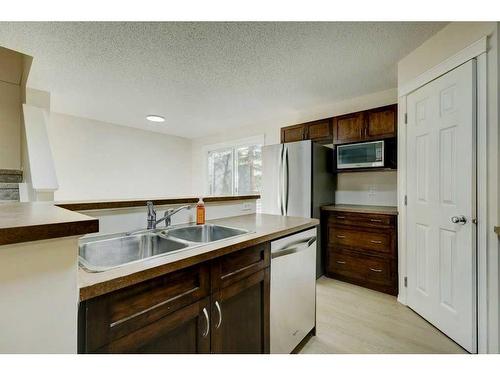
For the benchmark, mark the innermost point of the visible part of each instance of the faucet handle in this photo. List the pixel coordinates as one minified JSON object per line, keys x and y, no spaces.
{"x":151,"y":208}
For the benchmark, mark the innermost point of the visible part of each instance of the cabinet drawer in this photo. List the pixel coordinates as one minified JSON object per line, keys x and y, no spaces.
{"x":182,"y":332}
{"x":361,"y":219}
{"x":114,"y":315}
{"x":360,"y":267}
{"x":238,"y":265}
{"x":359,"y":239}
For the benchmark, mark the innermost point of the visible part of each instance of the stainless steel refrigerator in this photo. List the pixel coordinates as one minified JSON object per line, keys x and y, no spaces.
{"x":297,"y":179}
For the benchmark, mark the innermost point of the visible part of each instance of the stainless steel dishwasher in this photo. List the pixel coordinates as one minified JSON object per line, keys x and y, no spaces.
{"x":293,"y":290}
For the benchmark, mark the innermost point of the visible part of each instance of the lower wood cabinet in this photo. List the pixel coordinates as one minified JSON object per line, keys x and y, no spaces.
{"x":361,"y":248}
{"x":240,"y":316}
{"x":219,"y":306}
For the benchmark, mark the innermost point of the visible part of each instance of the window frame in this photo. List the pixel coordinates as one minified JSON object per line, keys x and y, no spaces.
{"x":250,"y":141}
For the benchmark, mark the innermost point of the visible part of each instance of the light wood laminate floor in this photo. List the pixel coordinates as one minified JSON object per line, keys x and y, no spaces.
{"x":352,"y":319}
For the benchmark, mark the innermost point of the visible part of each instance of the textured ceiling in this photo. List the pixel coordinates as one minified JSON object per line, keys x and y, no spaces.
{"x":209,"y":77}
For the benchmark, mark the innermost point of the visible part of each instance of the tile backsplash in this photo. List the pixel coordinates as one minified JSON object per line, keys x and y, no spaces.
{"x":367,"y":188}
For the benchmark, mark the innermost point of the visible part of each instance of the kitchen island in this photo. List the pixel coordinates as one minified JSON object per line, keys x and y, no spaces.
{"x":213,"y":298}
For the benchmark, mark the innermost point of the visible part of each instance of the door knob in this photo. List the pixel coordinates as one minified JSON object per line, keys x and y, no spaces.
{"x":461,"y":219}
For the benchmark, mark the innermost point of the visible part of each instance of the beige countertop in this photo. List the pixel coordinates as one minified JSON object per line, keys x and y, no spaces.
{"x":262,"y":228}
{"x":365,"y":209}
{"x":33,"y":221}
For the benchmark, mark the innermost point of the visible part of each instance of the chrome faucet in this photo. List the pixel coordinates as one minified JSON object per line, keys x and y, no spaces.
{"x":167,"y":217}
{"x":151,"y":215}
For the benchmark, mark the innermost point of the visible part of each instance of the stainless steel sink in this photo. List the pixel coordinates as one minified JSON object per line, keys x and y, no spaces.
{"x":102,"y":253}
{"x":204,"y":233}
{"x":105,"y":254}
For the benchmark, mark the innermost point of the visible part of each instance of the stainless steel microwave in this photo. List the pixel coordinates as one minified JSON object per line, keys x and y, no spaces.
{"x":361,"y":155}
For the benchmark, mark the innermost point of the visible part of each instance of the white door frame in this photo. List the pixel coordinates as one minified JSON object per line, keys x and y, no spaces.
{"x":487,"y":271}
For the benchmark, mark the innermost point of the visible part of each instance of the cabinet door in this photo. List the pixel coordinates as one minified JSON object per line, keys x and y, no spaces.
{"x":320,"y":131}
{"x":293,"y":133}
{"x":348,"y":128}
{"x":381,"y":122}
{"x":240,"y":316}
{"x":186,"y":331}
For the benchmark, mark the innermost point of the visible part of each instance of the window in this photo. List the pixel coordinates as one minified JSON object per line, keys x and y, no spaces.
{"x":235,"y":169}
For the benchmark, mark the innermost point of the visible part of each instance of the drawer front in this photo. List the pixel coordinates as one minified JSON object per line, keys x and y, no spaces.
{"x":114,"y":315}
{"x":361,"y":219}
{"x":238,"y":265}
{"x":360,"y":267}
{"x":358,"y":239}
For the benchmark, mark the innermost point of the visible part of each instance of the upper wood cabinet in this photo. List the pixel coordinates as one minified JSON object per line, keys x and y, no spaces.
{"x":376,"y":123}
{"x":372,"y":124}
{"x":293,"y":133}
{"x":381,"y":122}
{"x":349,"y":128}
{"x":316,"y":131}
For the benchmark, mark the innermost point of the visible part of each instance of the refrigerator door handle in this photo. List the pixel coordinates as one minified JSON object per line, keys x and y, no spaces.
{"x":287,"y":181}
{"x":280,"y":180}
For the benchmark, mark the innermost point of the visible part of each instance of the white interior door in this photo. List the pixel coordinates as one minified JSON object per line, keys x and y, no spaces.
{"x":442,"y":204}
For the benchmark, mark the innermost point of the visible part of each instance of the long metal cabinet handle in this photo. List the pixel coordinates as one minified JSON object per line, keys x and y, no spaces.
{"x":220,"y":314}
{"x":205,"y":312}
{"x":376,"y":241}
{"x":287,"y":180}
{"x":294,"y":249}
{"x":375,"y":270}
{"x":340,"y":262}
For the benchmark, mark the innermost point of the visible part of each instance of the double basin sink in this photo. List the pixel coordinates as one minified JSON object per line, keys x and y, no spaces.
{"x":104,"y":253}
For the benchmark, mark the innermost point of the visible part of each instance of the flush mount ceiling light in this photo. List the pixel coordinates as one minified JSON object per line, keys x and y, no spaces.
{"x":155,"y":118}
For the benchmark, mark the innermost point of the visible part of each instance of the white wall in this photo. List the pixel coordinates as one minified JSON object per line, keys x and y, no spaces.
{"x":39,"y":297}
{"x":97,"y":160}
{"x":271,"y":130}
{"x":444,"y":44}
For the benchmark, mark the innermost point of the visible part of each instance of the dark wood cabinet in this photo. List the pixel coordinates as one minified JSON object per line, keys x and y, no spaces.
{"x":349,"y":128}
{"x":293,"y":133}
{"x":186,"y":331}
{"x":361,"y":248}
{"x":381,"y":122}
{"x":240,"y":317}
{"x":179,"y":312}
{"x":318,"y":131}
{"x":372,"y":124}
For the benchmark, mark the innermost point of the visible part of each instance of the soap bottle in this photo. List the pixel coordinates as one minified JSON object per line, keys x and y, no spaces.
{"x":200,"y":212}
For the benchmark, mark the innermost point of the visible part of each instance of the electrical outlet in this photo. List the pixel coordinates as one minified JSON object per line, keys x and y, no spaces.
{"x":372,"y":191}
{"x":247,"y":206}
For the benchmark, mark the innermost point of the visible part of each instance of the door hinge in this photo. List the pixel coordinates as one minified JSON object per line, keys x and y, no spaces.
{"x":406,"y":281}
{"x":406,"y":200}
{"x":406,"y":118}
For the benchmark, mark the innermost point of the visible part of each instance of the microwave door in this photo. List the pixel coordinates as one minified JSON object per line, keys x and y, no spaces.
{"x":360,"y":155}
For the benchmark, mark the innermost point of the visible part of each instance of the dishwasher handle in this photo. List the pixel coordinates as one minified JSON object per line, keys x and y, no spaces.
{"x":294,"y":249}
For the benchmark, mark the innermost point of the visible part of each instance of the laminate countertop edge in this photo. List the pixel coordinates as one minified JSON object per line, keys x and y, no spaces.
{"x":35,"y":221}
{"x":362,"y":209}
{"x":127,"y":203}
{"x":163,"y":265}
